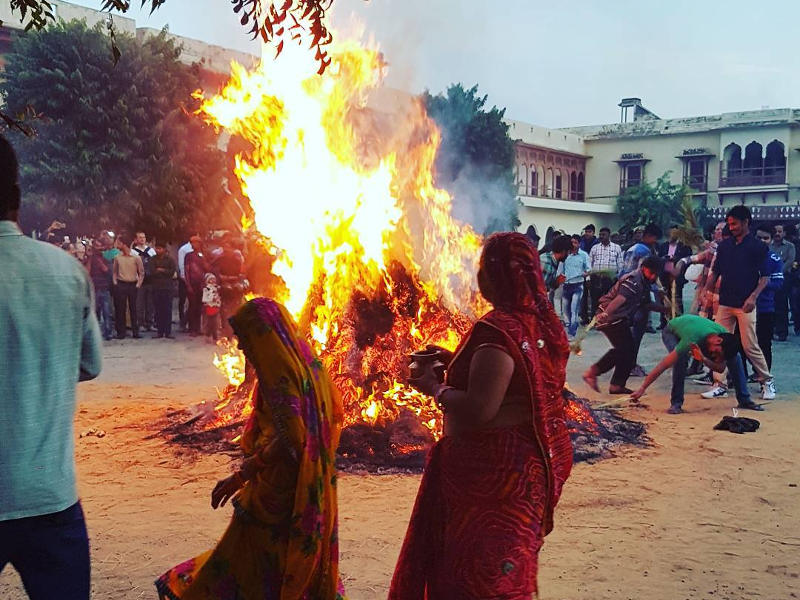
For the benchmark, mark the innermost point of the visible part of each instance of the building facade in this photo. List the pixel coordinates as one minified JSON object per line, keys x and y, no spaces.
{"x":727,"y":159}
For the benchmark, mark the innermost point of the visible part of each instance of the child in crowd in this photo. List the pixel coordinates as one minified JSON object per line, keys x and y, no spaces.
{"x":212,"y":304}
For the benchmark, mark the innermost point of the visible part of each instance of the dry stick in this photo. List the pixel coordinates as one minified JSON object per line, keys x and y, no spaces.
{"x":575,"y":346}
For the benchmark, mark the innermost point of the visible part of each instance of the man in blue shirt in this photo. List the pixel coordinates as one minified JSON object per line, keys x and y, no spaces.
{"x":574,"y":270}
{"x":49,"y":340}
{"x":739,"y":264}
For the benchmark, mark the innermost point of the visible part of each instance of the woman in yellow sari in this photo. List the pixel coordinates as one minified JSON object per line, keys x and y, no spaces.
{"x":282,"y":541}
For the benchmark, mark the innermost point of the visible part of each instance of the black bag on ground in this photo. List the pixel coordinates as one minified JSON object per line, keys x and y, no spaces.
{"x":737,"y":424}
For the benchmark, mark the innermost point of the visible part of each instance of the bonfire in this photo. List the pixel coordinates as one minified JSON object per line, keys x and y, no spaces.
{"x":365,"y":252}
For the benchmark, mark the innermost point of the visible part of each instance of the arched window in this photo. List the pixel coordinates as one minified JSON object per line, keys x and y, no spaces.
{"x":775,"y":163}
{"x":540,"y":181}
{"x":534,"y":181}
{"x":573,"y":186}
{"x":753,"y":159}
{"x":522,"y":181}
{"x":548,"y":184}
{"x":731,"y":165}
{"x":580,"y":186}
{"x":558,"y":183}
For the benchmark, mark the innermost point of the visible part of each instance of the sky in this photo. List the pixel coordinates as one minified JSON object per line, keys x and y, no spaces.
{"x":560,"y":64}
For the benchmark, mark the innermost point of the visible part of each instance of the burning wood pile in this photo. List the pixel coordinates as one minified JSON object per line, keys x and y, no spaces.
{"x":364,"y":250}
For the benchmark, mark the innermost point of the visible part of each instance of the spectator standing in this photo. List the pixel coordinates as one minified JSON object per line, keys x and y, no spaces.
{"x":49,"y":340}
{"x":739,"y":263}
{"x":671,"y":252}
{"x":212,"y":305}
{"x":100,"y":273}
{"x":128,"y":275}
{"x":636,"y":238}
{"x":162,"y":275}
{"x":574,"y":270}
{"x":195,"y":268}
{"x":144,"y":297}
{"x":550,"y":260}
{"x":229,"y":267}
{"x":588,"y":240}
{"x":629,"y":296}
{"x":605,"y":259}
{"x":785,"y":251}
{"x":182,"y":252}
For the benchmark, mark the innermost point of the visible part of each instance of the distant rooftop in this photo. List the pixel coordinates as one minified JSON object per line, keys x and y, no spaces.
{"x":655,"y":126}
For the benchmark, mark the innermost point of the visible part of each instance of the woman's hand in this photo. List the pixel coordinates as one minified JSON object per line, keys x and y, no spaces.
{"x":225,"y":489}
{"x":443,"y":354}
{"x":427,"y":382}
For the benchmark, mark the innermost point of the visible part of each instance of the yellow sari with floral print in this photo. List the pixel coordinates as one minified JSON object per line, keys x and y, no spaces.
{"x":282,"y":541}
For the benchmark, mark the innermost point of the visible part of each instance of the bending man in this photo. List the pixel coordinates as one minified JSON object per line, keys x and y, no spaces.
{"x":709,"y":343}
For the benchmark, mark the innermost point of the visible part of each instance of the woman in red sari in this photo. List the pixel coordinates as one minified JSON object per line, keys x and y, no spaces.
{"x":491,"y":484}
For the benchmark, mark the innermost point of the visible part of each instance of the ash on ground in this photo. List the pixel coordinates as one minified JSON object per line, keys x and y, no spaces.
{"x":402,"y":445}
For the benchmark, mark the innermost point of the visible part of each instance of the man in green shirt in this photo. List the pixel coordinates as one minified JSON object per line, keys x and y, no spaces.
{"x":709,"y":343}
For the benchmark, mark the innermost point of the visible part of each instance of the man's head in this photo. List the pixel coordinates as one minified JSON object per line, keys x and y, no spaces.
{"x":720,"y":346}
{"x":9,"y":182}
{"x":562,"y":246}
{"x":575,"y":241}
{"x":638,"y":232}
{"x":651,"y":268}
{"x":651,"y":234}
{"x":605,"y":236}
{"x":588,"y":231}
{"x":123,"y":246}
{"x":764,"y":233}
{"x":197,"y":243}
{"x":140,"y":239}
{"x":161,"y":249}
{"x":738,"y":220}
{"x":674,"y":230}
{"x":779,"y":234}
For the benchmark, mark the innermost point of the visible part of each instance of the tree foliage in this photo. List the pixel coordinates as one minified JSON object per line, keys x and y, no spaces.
{"x":295,"y":20}
{"x":117,"y":146}
{"x":475,"y":162}
{"x":659,"y":203}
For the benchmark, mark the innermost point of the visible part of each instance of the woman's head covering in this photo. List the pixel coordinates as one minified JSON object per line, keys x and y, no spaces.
{"x":510,"y":274}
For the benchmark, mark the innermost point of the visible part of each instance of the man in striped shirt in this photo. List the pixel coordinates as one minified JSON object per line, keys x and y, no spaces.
{"x":605,"y":260}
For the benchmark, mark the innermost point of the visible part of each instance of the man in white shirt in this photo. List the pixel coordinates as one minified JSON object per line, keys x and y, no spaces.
{"x":182,"y":252}
{"x":605,"y":260}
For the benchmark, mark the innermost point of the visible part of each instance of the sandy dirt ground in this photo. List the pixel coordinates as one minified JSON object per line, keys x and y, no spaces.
{"x":700,"y":514}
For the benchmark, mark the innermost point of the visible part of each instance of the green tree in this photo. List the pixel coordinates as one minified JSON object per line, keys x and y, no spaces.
{"x":475,"y":162}
{"x":293,"y":19}
{"x":660,"y":203}
{"x":116,"y":145}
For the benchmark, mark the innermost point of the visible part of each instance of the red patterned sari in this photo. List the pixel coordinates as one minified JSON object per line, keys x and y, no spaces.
{"x":487,"y":497}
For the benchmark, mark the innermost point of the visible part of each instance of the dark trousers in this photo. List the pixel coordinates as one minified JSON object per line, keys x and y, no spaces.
{"x":782,"y":312}
{"x":162,"y":301}
{"x":102,"y":307}
{"x":195,"y":310}
{"x":765,"y":329}
{"x":126,"y":298}
{"x":144,"y":306}
{"x":794,"y":300}
{"x":50,"y":553}
{"x":735,"y":373}
{"x":620,"y":357}
{"x":182,"y":302}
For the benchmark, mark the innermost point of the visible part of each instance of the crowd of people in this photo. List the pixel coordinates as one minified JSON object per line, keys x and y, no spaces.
{"x":747,"y":286}
{"x":488,"y":494}
{"x":138,"y":281}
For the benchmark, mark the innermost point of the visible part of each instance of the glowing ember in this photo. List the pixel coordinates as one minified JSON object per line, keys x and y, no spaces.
{"x":373,"y":264}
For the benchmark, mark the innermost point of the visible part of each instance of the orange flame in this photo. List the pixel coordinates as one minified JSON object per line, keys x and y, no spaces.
{"x":374,"y":265}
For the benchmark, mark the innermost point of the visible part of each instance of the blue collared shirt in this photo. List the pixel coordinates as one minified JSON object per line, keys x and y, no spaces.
{"x":49,"y":340}
{"x":574,"y":267}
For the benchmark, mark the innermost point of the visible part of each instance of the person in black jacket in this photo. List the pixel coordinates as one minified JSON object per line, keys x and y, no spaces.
{"x":671,"y":252}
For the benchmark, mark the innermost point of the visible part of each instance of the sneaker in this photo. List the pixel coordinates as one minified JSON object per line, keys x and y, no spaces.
{"x":716,"y":392}
{"x":704,"y":380}
{"x":768,"y":391}
{"x":638,"y":371}
{"x":675,"y":409}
